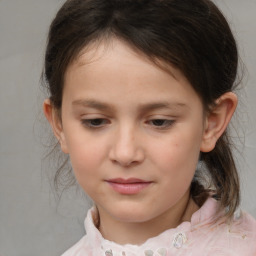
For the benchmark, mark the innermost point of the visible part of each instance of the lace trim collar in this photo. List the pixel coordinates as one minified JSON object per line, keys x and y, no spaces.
{"x":172,"y":239}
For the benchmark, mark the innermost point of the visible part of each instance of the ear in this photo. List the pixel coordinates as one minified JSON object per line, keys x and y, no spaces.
{"x":217,"y":120}
{"x":54,"y":119}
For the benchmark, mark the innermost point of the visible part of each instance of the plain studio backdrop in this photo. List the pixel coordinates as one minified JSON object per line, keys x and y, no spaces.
{"x":32,"y":223}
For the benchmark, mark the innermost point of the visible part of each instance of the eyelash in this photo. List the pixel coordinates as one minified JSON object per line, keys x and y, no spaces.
{"x":97,"y":123}
{"x":161,"y":123}
{"x":89,"y":123}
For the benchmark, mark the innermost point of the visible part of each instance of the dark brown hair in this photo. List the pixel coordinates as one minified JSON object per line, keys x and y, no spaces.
{"x":191,"y":35}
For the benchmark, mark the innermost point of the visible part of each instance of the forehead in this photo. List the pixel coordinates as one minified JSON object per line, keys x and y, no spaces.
{"x":113,"y":67}
{"x":115,"y":47}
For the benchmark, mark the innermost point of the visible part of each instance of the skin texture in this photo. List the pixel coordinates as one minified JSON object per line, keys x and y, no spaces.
{"x":124,"y":117}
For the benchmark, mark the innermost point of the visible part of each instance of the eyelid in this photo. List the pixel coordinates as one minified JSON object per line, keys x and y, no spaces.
{"x":167,"y":122}
{"x":87,"y":122}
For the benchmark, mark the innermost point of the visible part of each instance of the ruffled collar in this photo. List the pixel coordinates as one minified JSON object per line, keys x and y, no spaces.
{"x":167,"y":242}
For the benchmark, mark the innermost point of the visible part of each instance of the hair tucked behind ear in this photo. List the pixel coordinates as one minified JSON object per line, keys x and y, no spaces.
{"x":191,"y":35}
{"x":224,"y":176}
{"x":221,"y":164}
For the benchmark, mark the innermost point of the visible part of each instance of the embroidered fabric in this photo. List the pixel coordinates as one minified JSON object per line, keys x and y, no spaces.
{"x":202,"y":236}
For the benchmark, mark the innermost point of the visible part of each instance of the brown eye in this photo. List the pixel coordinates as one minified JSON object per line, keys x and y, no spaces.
{"x":161,"y":123}
{"x":158,"y":122}
{"x":94,"y":123}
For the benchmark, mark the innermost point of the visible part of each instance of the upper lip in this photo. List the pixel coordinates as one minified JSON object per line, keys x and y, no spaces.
{"x":127,"y":181}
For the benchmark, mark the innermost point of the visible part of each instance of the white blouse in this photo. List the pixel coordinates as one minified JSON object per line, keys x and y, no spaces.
{"x":200,"y":237}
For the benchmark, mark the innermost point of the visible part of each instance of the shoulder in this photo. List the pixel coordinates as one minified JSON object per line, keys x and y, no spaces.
{"x":214,"y":234}
{"x":243,"y":230}
{"x":242,"y":234}
{"x":89,"y":245}
{"x":84,"y":247}
{"x":78,"y":249}
{"x":233,"y":237}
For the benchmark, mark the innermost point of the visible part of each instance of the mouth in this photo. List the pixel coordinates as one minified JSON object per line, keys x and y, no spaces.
{"x":128,"y":186}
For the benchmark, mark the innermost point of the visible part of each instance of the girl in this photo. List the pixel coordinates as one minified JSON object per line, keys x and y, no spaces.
{"x":140,"y":99}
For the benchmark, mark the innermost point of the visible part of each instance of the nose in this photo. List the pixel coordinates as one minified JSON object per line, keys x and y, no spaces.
{"x":126,"y":149}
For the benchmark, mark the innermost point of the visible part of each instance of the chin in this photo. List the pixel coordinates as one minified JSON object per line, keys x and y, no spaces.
{"x":132,"y":215}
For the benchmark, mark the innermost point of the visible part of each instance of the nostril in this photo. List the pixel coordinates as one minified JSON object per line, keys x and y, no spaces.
{"x":128,"y":160}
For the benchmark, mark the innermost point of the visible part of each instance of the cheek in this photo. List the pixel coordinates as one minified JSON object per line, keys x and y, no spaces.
{"x":86,"y":157}
{"x":178,"y":156}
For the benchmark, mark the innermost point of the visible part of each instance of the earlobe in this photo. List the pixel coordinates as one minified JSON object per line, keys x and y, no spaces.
{"x":54,"y":120}
{"x":217,"y":120}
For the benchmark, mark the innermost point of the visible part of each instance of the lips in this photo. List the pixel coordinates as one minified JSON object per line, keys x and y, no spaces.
{"x":128,"y":186}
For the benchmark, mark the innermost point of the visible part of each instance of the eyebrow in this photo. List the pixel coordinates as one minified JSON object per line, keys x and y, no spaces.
{"x":91,"y":103}
{"x":162,"y":105}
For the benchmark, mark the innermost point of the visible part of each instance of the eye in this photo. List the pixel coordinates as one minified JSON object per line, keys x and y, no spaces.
{"x":95,"y":122}
{"x":161,"y":123}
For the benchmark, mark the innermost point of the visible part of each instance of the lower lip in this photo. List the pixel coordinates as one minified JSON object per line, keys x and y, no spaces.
{"x":129,"y":188}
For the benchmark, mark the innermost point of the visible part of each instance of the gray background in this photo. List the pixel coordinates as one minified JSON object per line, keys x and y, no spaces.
{"x":32,"y":222}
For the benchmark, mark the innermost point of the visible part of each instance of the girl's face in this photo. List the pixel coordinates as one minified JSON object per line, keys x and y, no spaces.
{"x":133,"y":132}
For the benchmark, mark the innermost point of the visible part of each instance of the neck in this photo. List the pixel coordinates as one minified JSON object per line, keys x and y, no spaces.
{"x":137,"y":233}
